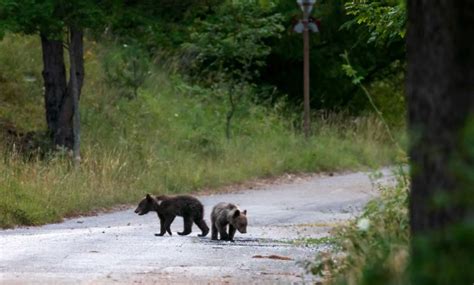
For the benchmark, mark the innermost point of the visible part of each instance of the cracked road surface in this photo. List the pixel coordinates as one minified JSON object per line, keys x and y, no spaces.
{"x":121,"y":248}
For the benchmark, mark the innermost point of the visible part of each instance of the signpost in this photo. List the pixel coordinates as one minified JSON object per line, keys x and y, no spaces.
{"x":304,"y":26}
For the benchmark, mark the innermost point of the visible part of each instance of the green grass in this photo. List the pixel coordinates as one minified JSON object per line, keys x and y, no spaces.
{"x":169,"y":140}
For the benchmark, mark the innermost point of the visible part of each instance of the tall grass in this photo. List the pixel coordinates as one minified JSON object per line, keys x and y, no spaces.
{"x":168,"y":140}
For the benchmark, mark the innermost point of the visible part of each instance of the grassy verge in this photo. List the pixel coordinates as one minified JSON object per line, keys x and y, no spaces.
{"x":168,"y":140}
{"x":374,"y":248}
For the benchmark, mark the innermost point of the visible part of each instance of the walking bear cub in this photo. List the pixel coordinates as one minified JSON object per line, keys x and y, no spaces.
{"x":168,"y":207}
{"x":224,"y":214}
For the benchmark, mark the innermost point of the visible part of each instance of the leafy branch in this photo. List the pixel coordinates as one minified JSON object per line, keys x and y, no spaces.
{"x":385,"y":20}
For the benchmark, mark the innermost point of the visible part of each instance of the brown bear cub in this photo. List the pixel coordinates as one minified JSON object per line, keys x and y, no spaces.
{"x":224,"y":214}
{"x":168,"y":207}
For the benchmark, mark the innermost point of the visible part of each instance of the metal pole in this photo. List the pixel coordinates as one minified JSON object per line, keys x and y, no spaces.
{"x":306,"y":123}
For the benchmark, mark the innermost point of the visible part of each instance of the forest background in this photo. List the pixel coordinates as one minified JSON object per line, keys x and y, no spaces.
{"x":185,"y":95}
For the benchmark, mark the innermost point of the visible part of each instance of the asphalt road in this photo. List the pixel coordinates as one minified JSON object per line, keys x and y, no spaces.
{"x":120,"y":247}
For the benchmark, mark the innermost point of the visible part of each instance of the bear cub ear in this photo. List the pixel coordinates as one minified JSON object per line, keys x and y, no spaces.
{"x":148,"y":197}
{"x":245,"y":212}
{"x":236,"y":213}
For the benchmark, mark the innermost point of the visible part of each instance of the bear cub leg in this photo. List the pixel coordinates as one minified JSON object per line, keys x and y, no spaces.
{"x":188,"y":224}
{"x":232,"y":230}
{"x":223,"y":231}
{"x":213,"y":232}
{"x":202,"y":226}
{"x":165,"y":224}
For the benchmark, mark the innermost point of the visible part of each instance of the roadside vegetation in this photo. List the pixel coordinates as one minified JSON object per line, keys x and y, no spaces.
{"x":374,"y":248}
{"x":169,"y":139}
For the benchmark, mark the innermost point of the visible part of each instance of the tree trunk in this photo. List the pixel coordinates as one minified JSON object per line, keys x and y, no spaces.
{"x":233,"y":101}
{"x":54,"y":75}
{"x":440,"y":96}
{"x":230,"y":115}
{"x":75,"y":85}
{"x":77,"y":48}
{"x":59,"y":95}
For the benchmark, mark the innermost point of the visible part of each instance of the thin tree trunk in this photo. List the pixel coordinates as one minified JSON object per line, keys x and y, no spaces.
{"x":306,"y":87}
{"x":440,"y":96}
{"x":233,"y":101}
{"x":75,"y":86}
{"x":54,"y":75}
{"x":66,"y":137}
{"x":77,"y":48}
{"x":229,"y":115}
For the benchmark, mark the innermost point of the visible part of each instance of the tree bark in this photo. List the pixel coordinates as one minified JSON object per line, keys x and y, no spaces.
{"x":75,"y":85}
{"x":230,"y":115}
{"x":54,"y":75}
{"x":440,"y":96}
{"x":77,"y":48}
{"x":233,"y":101}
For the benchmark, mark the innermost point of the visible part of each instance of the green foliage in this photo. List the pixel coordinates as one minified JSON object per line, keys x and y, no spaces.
{"x":374,"y":248}
{"x":230,"y":47}
{"x":232,"y":42}
{"x":50,"y":17}
{"x":381,"y":23}
{"x":156,"y":26}
{"x":351,"y":72}
{"x":388,"y":96}
{"x":126,"y":67}
{"x":383,"y":20}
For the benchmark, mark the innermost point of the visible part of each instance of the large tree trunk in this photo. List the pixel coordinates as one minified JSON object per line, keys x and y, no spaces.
{"x":440,"y":95}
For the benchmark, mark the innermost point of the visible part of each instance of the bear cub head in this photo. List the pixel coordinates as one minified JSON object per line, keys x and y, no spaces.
{"x":146,"y":205}
{"x":239,"y":220}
